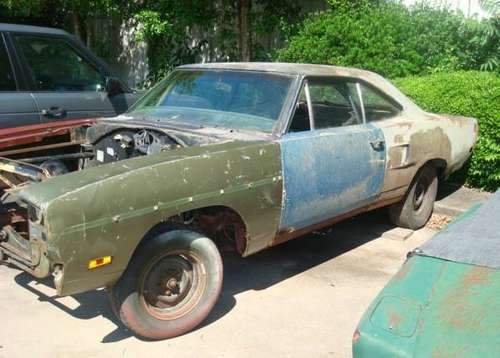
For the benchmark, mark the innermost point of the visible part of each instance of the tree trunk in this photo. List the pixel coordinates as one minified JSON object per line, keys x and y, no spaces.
{"x":91,"y":32}
{"x":244,"y":38}
{"x":77,"y":25}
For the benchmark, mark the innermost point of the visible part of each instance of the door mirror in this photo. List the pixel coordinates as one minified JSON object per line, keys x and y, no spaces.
{"x":114,"y":86}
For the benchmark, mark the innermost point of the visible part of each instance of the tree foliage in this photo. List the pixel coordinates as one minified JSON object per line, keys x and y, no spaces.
{"x":473,"y":94}
{"x":77,"y":16}
{"x":218,"y":30}
{"x":57,"y":9}
{"x":489,"y":35}
{"x":392,"y":39}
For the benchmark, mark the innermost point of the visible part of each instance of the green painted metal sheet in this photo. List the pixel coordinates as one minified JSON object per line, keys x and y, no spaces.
{"x":107,"y":210}
{"x":454,"y":308}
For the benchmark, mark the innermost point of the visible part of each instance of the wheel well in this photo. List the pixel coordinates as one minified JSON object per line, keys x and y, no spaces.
{"x":220,"y":223}
{"x":439,"y":164}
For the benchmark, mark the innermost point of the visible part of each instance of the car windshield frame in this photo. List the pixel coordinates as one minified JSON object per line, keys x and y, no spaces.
{"x":159,"y":91}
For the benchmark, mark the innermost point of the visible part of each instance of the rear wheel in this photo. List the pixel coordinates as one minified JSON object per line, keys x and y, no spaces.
{"x":171,"y":285}
{"x":415,"y":209}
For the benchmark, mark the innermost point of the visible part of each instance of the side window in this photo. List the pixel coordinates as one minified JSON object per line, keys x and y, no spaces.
{"x":7,"y":81}
{"x":376,"y":106}
{"x":300,"y":120}
{"x":56,"y":66}
{"x":332,"y":104}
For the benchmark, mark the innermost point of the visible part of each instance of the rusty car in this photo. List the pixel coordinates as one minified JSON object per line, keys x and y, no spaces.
{"x":239,"y":155}
{"x":443,"y":302}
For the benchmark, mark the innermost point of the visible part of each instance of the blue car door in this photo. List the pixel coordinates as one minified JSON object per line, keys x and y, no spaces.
{"x":333,"y":162}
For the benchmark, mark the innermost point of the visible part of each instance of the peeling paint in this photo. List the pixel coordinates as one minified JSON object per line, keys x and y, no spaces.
{"x":324,"y":176}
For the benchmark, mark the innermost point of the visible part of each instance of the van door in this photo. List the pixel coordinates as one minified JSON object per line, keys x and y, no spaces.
{"x":16,"y":108}
{"x":67,"y":84}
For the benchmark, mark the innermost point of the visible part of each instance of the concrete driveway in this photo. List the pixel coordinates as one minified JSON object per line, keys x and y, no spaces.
{"x":301,"y":299}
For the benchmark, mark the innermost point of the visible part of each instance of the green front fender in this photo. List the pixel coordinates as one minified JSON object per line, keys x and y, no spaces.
{"x":110,"y":216}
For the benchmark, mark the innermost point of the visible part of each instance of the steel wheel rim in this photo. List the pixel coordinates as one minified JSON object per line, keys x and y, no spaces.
{"x":419,"y":193}
{"x":172,"y":285}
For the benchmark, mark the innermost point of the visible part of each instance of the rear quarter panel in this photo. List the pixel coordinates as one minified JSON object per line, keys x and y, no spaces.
{"x":415,"y":137}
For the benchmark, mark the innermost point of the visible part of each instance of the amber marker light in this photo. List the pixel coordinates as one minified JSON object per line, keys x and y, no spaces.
{"x":99,"y":262}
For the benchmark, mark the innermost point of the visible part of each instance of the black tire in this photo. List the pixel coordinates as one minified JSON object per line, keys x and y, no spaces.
{"x":170,"y":286}
{"x":415,"y":209}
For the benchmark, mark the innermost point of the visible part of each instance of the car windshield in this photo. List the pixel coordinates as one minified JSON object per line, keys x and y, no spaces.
{"x":229,"y":99}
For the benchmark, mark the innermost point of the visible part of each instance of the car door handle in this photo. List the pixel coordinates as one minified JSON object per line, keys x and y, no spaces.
{"x":377,"y":145}
{"x":54,"y":112}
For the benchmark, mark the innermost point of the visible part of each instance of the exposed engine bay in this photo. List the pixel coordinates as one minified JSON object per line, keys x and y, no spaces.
{"x":128,"y":143}
{"x":114,"y":140}
{"x":108,"y":141}
{"x":100,"y":144}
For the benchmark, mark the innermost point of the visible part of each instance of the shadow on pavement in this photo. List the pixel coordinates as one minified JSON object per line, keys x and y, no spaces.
{"x":256,"y":272}
{"x":284,"y":261}
{"x":91,"y":304}
{"x":446,"y":189}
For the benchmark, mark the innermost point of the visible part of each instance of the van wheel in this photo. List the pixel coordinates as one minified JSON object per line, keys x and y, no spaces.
{"x":415,"y":209}
{"x":170,"y":286}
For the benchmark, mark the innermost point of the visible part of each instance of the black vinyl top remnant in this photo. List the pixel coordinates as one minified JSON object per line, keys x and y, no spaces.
{"x":472,"y":239}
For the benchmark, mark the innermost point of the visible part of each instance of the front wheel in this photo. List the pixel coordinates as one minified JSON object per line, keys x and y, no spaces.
{"x":170,"y":286}
{"x":415,"y":209}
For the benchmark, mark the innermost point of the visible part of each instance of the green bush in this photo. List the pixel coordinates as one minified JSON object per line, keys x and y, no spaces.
{"x":390,"y":39}
{"x":472,"y":94}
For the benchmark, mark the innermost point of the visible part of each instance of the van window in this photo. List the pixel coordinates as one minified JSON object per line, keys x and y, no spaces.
{"x":7,"y":81}
{"x":56,"y":66}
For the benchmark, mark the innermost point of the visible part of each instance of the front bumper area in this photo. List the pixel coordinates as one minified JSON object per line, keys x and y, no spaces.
{"x":28,"y":255}
{"x":22,"y":243}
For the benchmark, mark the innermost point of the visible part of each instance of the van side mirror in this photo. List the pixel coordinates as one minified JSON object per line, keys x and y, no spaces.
{"x":114,"y":86}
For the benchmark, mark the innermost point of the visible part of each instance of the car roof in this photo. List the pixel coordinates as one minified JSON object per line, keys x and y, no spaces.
{"x":31,"y":29}
{"x":282,"y":67}
{"x":303,"y":69}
